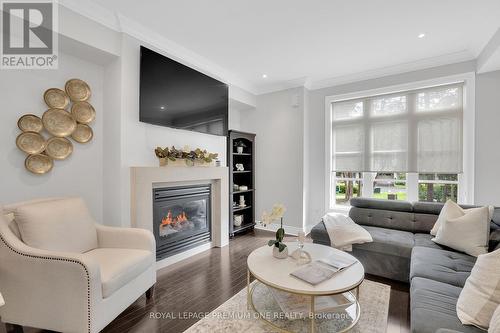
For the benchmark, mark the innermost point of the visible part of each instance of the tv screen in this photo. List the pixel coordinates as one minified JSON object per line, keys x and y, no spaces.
{"x":174,"y":95}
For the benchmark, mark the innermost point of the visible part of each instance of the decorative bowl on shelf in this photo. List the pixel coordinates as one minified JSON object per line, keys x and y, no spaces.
{"x":237,"y":220}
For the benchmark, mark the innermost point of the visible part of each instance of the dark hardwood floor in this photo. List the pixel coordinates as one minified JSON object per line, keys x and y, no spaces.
{"x":203,"y":282}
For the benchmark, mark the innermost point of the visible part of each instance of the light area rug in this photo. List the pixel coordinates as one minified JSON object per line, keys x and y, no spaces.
{"x":233,"y":315}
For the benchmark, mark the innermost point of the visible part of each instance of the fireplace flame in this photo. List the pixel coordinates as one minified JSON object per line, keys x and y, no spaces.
{"x":170,"y":220}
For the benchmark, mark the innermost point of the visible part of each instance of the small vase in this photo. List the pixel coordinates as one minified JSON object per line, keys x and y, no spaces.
{"x":163,"y":161}
{"x":239,"y":150}
{"x":280,"y":255}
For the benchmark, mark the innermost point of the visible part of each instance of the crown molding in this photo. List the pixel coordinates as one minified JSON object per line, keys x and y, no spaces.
{"x":446,"y":59}
{"x":311,"y":84}
{"x":94,"y":12}
{"x":123,"y":24}
{"x":489,"y":58}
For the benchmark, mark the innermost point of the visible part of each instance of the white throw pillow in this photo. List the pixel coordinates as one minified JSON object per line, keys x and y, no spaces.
{"x":480,"y":296}
{"x":344,"y":232}
{"x":452,"y":210}
{"x":495,"y":322}
{"x":468,"y":233}
{"x":61,"y":225}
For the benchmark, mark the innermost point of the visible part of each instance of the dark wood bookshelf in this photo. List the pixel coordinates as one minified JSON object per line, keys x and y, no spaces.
{"x":241,"y":178}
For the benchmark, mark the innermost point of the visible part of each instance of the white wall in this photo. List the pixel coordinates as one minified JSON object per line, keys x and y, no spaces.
{"x":21,"y":92}
{"x":487,"y":159}
{"x":279,"y":159}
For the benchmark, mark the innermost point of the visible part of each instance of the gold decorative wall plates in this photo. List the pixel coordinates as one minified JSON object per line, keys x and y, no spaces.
{"x":31,"y":142}
{"x":58,"y":122}
{"x":83,"y":112}
{"x":82,"y":134}
{"x":77,"y":90}
{"x":58,"y":148}
{"x":30,"y":123}
{"x":38,"y":163}
{"x":56,"y":98}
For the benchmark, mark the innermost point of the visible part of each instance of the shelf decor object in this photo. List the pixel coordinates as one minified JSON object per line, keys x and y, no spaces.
{"x":241,"y":162}
{"x":185,"y":156}
{"x":59,"y":123}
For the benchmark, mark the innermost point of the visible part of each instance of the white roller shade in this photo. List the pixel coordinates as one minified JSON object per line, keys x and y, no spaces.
{"x":412,"y":131}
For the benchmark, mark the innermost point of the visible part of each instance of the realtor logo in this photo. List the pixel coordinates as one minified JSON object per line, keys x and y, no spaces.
{"x":29,"y":38}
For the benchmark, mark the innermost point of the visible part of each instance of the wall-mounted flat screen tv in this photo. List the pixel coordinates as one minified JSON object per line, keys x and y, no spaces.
{"x":175,"y":95}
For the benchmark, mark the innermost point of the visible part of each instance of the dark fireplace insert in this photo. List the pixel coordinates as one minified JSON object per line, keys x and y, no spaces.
{"x":181,"y":218}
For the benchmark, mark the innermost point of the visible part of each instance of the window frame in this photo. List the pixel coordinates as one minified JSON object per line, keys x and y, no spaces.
{"x":465,"y":179}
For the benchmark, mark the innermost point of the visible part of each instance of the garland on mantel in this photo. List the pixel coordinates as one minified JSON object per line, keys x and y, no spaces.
{"x":190,"y":156}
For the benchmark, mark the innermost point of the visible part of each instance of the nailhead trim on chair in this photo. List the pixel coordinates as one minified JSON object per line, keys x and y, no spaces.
{"x":59,"y":259}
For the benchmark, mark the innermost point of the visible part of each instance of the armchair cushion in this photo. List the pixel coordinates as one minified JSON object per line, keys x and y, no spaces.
{"x":119,"y":266}
{"x":60,"y":225}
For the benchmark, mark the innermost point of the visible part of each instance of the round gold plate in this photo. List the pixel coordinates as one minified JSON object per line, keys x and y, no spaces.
{"x":58,"y":122}
{"x":31,"y":142}
{"x":30,"y":123}
{"x":56,"y":98}
{"x":77,"y":90}
{"x":38,"y":163}
{"x":83,"y":112}
{"x":83,"y":133}
{"x":58,"y":148}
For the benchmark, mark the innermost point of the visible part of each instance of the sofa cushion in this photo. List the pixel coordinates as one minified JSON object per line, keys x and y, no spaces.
{"x":495,"y":322}
{"x":63,"y":225}
{"x":425,"y":240}
{"x":119,"y":266}
{"x":388,"y":241}
{"x":433,"y":306}
{"x":481,"y":294}
{"x":383,"y":218}
{"x":468,"y":233}
{"x":320,"y":235}
{"x":394,"y":205}
{"x":440,"y":265}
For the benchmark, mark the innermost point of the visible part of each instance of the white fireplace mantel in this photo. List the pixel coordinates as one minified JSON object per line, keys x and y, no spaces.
{"x":145,"y":179}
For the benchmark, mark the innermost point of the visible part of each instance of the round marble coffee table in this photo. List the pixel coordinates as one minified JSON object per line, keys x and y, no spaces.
{"x":275,"y":273}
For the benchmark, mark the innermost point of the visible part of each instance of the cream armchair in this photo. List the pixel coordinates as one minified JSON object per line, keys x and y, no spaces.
{"x":60,"y":271}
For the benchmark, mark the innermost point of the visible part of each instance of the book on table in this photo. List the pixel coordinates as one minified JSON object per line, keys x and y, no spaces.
{"x":323,"y":269}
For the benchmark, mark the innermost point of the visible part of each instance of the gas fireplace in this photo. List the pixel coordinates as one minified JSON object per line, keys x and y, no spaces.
{"x":181,"y":218}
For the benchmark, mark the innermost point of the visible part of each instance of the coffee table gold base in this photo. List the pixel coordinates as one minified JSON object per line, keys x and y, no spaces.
{"x":312,"y":314}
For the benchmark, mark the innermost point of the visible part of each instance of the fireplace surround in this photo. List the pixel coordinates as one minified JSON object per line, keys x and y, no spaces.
{"x":181,"y":218}
{"x":143,"y":180}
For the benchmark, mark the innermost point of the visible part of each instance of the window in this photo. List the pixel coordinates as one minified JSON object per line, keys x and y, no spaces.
{"x":437,"y":187}
{"x":406,"y":145}
{"x":390,"y":185}
{"x":347,"y":185}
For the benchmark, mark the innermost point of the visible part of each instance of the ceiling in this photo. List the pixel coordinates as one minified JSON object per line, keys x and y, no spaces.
{"x":315,"y":40}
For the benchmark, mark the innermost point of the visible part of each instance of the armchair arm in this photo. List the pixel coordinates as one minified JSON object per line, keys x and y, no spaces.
{"x":125,"y":238}
{"x":53,"y":290}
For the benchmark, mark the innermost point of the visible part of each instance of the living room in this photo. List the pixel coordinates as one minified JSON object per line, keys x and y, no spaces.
{"x":250,"y":166}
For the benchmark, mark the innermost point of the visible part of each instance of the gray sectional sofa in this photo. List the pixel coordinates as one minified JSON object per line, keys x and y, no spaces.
{"x":402,"y":250}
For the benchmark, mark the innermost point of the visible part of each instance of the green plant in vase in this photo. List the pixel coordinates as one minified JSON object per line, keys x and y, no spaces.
{"x":279,"y":248}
